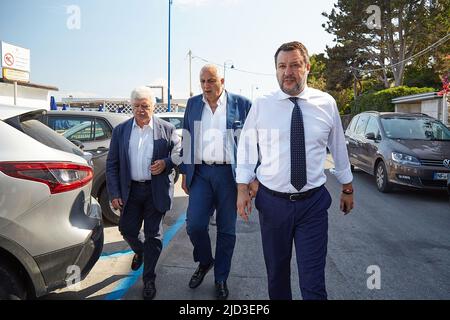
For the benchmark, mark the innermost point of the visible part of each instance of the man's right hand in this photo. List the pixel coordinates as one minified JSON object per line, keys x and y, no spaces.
{"x":244,"y":202}
{"x":117,"y":204}
{"x":183,"y":184}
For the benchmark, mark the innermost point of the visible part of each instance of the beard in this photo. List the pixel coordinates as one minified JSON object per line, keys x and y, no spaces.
{"x":294,"y":90}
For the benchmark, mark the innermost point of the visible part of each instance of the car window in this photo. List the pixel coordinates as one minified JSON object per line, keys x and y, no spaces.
{"x":409,"y":128}
{"x":47,"y":136}
{"x":372,"y":126}
{"x":352,"y":125}
{"x":102,"y":130}
{"x":81,"y":132}
{"x":177,"y":122}
{"x":361,"y":125}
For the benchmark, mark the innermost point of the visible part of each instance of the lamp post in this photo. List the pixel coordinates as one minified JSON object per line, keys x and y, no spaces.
{"x":168,"y":60}
{"x":225,"y":67}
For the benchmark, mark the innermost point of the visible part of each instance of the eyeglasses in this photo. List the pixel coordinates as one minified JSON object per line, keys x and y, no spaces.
{"x":143,"y":106}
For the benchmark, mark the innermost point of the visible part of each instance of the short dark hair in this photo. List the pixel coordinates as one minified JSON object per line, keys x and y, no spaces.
{"x":294,"y":45}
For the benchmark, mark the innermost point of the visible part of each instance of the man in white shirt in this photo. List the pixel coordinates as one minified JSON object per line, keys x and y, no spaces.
{"x":143,"y":151}
{"x":209,"y":150}
{"x":287,"y":133}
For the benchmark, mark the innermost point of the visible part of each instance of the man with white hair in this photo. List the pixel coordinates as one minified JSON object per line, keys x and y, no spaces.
{"x":141,"y":156}
{"x":211,"y":124}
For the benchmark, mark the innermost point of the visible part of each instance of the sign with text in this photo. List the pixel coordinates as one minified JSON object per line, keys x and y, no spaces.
{"x":14,"y":57}
{"x":16,"y":75}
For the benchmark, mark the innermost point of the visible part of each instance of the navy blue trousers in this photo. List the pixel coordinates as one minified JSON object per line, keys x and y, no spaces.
{"x":139,"y":208}
{"x":213,"y":187}
{"x":305,"y":223}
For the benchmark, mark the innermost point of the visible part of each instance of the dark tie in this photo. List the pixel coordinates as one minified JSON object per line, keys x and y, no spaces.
{"x":298,"y":154}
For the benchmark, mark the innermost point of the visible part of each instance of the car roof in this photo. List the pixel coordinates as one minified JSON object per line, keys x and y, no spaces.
{"x":398,"y":114}
{"x":113,"y":118}
{"x":17,"y":146}
{"x":9,"y":111}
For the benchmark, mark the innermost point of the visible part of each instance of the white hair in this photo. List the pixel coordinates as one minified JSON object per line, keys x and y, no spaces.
{"x":142,"y":92}
{"x":214,"y":67}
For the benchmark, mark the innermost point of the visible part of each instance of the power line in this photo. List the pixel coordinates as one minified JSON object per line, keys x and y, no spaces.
{"x":418,"y":54}
{"x":236,"y":69}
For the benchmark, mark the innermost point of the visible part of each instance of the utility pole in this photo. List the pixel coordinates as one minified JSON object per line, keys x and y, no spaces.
{"x":190,"y":73}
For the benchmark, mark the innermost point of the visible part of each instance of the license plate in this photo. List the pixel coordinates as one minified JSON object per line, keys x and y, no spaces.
{"x":440,"y":176}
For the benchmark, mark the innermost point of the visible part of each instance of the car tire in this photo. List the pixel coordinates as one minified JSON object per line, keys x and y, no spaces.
{"x":381,"y":178}
{"x":11,"y":285}
{"x":109,"y":213}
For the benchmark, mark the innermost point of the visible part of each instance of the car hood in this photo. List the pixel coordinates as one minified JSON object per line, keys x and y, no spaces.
{"x":424,"y":149}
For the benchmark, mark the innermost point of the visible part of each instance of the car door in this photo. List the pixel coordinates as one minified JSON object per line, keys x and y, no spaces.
{"x":358,"y":142}
{"x":350,"y":140}
{"x":370,"y":146}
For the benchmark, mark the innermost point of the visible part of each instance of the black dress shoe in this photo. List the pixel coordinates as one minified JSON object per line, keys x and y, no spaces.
{"x":137,"y":261}
{"x":199,"y":274}
{"x":149,"y":290}
{"x":221,"y":290}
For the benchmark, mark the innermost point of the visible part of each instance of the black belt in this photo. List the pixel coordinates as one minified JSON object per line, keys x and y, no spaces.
{"x":291,"y":196}
{"x":141,"y":181}
{"x":215,"y":163}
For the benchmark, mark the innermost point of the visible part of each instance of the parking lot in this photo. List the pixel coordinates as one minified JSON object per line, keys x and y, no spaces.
{"x":404,"y":234}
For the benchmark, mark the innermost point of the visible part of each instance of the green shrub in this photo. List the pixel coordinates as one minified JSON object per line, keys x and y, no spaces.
{"x":381,"y":100}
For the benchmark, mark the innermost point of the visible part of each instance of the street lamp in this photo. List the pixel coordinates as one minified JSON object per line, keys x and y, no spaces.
{"x":227,"y":62}
{"x":168,"y":61}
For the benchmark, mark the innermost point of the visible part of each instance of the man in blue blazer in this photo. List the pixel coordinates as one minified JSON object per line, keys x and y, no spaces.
{"x":212,"y":123}
{"x":141,"y":156}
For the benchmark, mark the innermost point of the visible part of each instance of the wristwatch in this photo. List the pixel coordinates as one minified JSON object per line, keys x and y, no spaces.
{"x":347,"y":191}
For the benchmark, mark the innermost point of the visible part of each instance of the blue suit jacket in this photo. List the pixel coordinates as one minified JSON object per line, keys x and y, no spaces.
{"x":237,"y":110}
{"x":118,"y":176}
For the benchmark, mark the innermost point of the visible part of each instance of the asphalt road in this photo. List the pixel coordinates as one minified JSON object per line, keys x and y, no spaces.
{"x":405,"y":235}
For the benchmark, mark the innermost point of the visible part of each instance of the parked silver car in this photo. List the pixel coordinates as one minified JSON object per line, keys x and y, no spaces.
{"x":92,"y":131}
{"x":51,"y":232}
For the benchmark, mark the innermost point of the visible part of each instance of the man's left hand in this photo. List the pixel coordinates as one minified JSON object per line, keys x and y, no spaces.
{"x":157,"y":167}
{"x":346,"y":203}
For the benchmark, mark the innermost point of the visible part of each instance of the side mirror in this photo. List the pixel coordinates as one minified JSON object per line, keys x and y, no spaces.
{"x":371,"y":136}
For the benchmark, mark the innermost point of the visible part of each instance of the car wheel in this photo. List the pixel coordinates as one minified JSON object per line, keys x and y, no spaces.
{"x":381,"y":178}
{"x":109,"y":213}
{"x":11,"y":285}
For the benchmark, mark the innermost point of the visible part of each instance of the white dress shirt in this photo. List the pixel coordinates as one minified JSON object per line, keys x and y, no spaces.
{"x":214,"y":146}
{"x":268,"y":125}
{"x":141,"y":151}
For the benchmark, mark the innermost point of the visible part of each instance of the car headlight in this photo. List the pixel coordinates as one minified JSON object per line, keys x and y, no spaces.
{"x":405,"y":159}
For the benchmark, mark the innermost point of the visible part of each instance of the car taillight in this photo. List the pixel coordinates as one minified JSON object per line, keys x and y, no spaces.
{"x":59,"y":176}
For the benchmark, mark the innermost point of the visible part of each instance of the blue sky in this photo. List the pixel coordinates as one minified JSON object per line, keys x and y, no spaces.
{"x":122,"y":44}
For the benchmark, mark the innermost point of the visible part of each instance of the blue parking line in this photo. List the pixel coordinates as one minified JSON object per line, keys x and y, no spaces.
{"x":107,"y":255}
{"x":121,"y":289}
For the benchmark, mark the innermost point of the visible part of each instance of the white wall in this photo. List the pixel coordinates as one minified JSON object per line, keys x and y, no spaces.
{"x":431,"y":108}
{"x":26,"y":96}
{"x":408,"y":108}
